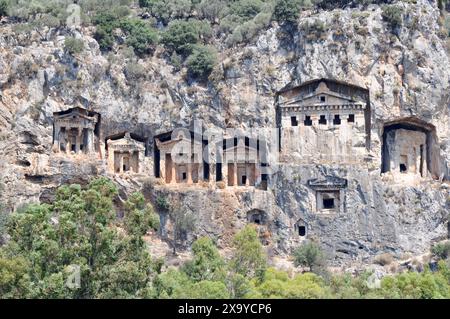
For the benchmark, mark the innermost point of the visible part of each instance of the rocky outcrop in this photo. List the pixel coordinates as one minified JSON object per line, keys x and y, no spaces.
{"x":406,"y":72}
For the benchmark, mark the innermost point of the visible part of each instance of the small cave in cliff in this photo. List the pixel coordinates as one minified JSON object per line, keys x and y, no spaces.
{"x":410,"y":147}
{"x":300,"y":228}
{"x":256,"y":216}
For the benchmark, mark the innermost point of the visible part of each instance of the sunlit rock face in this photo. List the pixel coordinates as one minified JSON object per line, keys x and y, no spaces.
{"x":324,"y":121}
{"x":396,"y":86}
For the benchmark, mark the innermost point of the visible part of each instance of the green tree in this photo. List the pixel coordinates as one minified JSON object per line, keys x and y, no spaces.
{"x":207,"y":264}
{"x":14,"y":279}
{"x":79,"y":234}
{"x":414,"y":285}
{"x":3,"y":8}
{"x":139,"y":218}
{"x":206,"y":290}
{"x":139,"y":35}
{"x":201,"y":62}
{"x":180,"y":36}
{"x":183,"y":222}
{"x":248,"y":257}
{"x":73,"y":45}
{"x":105,"y":24}
{"x":309,"y":255}
{"x":393,"y":15}
{"x":289,"y":10}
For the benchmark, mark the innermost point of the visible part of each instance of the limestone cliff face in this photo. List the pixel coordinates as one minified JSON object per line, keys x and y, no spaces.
{"x":407,"y":72}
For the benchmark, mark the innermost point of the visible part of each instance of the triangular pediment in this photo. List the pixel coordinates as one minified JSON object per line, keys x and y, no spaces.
{"x":77,"y":113}
{"x":328,"y":182}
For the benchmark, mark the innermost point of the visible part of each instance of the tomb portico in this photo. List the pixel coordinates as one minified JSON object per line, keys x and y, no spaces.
{"x":180,"y":158}
{"x":76,"y":131}
{"x":124,"y":154}
{"x":323,"y":121}
{"x":240,"y":162}
{"x":410,"y":149}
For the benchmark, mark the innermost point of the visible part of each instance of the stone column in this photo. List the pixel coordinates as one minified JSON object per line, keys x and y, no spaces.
{"x":174,"y":173}
{"x":111,"y":159}
{"x":257,"y":173}
{"x":89,"y":141}
{"x":200,"y":170}
{"x":56,"y":133}
{"x":189,"y":173}
{"x":235,"y":176}
{"x":140,"y":160}
{"x":248,"y":174}
{"x":78,"y":140}
{"x":68,"y":143}
{"x":162,"y":165}
{"x":424,"y":167}
{"x":121,"y":162}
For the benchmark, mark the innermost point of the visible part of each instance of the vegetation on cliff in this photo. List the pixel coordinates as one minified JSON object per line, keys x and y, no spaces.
{"x":185,"y":28}
{"x":77,"y":248}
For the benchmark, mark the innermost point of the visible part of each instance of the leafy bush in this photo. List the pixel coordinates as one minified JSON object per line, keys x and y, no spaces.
{"x":277,"y":284}
{"x":201,"y":62}
{"x":180,"y":36}
{"x":73,"y":45}
{"x":139,"y":35}
{"x":246,"y":31}
{"x":106,"y":23}
{"x":289,"y":10}
{"x":309,"y":255}
{"x":414,"y":285}
{"x":134,"y":71}
{"x":207,"y":264}
{"x":441,"y":250}
{"x":248,"y":258}
{"x":3,"y":8}
{"x":211,"y":9}
{"x":162,"y":203}
{"x":167,"y":10}
{"x":79,"y":228}
{"x":246,"y":8}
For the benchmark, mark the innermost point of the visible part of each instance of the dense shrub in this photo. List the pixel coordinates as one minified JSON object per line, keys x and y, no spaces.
{"x":134,"y":71}
{"x":289,"y":10}
{"x":441,"y":250}
{"x":206,"y":264}
{"x":79,"y":229}
{"x":249,"y":258}
{"x":180,"y":36}
{"x":309,"y":255}
{"x":3,"y":8}
{"x":167,"y":10}
{"x":211,"y":9}
{"x":73,"y":45}
{"x":105,"y":22}
{"x":201,"y":62}
{"x":246,"y":9}
{"x":139,"y":35}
